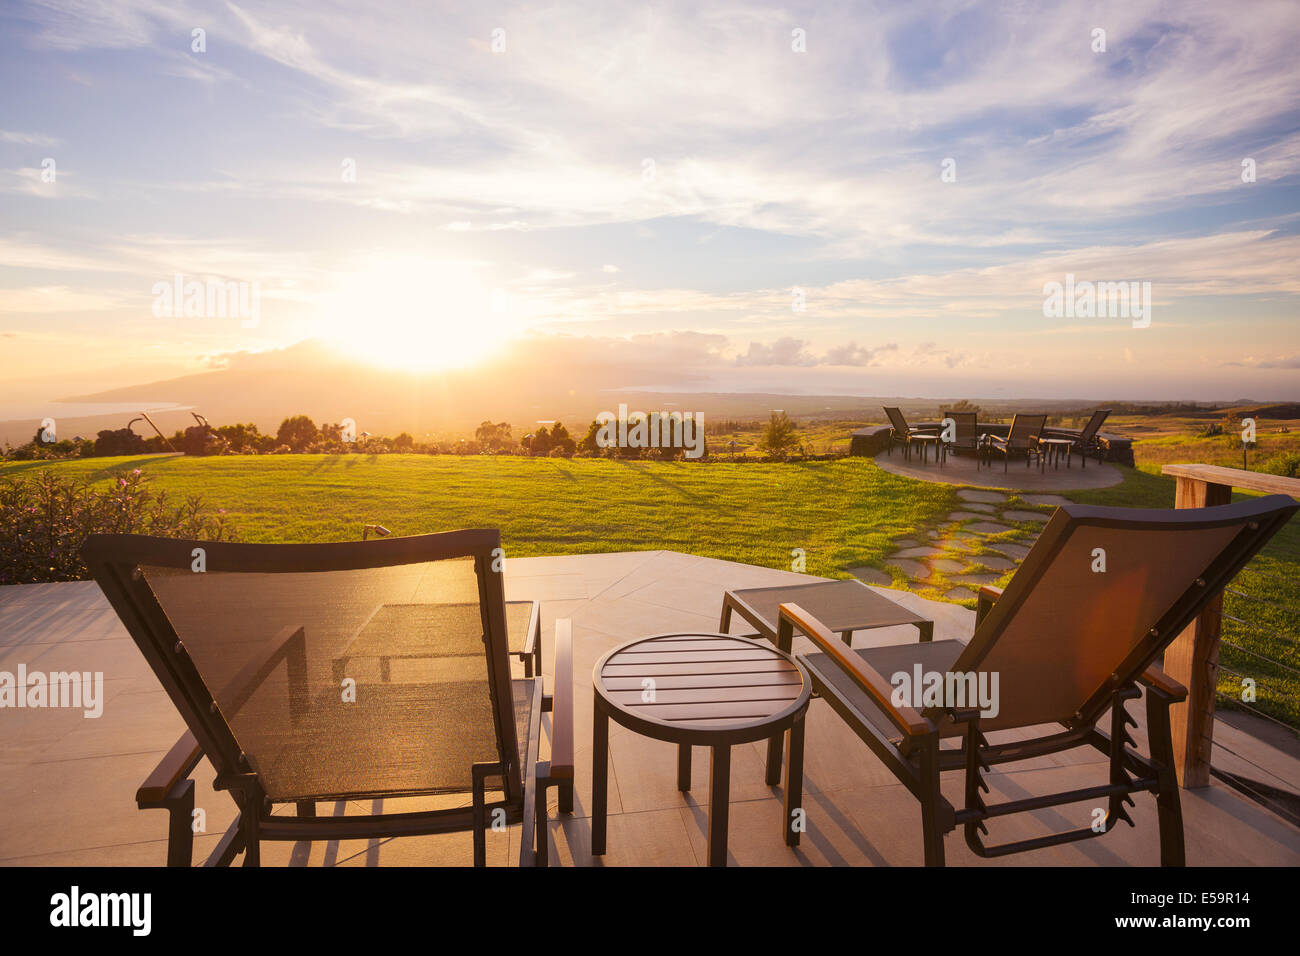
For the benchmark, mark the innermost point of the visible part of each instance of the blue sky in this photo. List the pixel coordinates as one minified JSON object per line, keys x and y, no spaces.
{"x":505,"y":194}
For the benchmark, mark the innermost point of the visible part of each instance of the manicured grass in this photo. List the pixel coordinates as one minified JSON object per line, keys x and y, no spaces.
{"x":842,"y":513}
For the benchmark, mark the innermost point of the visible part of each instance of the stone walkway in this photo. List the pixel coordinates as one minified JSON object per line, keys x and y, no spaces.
{"x":982,"y":542}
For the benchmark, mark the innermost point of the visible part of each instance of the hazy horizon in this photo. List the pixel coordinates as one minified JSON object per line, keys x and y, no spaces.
{"x":735,"y":199}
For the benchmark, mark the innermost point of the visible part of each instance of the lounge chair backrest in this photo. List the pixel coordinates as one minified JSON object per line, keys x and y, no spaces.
{"x":1025,"y":428}
{"x":967,"y":424}
{"x":248,"y":640}
{"x":1099,"y":596}
{"x":897,"y":420}
{"x":1094,"y":424}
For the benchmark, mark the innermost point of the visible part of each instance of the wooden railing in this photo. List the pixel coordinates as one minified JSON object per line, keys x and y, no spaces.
{"x":1193,"y":658}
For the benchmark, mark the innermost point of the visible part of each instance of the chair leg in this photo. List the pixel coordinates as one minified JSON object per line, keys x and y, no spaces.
{"x":478,"y":815}
{"x":774,"y":745}
{"x":1169,"y":808}
{"x":252,"y":841}
{"x":931,"y":834}
{"x":542,"y":836}
{"x":180,"y":825}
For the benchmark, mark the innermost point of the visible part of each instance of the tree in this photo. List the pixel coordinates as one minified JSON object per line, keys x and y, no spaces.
{"x":297,"y":432}
{"x":404,"y":442}
{"x":589,"y":442}
{"x":240,"y":438}
{"x":494,"y":437}
{"x":779,"y":435}
{"x":561,"y":440}
{"x":540,"y":443}
{"x":120,"y":441}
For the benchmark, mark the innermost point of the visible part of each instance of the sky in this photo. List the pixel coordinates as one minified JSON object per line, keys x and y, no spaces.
{"x":807,"y":198}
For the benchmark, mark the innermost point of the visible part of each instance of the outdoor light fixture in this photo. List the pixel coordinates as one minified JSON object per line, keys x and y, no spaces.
{"x":377,"y":529}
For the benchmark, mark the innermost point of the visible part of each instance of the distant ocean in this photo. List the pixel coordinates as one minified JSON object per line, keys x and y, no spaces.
{"x":16,"y":411}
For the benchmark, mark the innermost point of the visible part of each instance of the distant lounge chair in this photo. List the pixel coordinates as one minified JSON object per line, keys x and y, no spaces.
{"x":247,"y":644}
{"x":1068,"y":644}
{"x":902,"y":433}
{"x":1087,"y":441}
{"x":967,"y":434}
{"x":1022,"y":439}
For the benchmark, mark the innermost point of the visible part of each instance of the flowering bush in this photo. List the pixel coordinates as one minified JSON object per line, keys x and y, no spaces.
{"x":44,"y":520}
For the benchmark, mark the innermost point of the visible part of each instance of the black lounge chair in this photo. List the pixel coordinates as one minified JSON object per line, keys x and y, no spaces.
{"x":1088,"y":442}
{"x":902,"y":433}
{"x":1022,"y":439}
{"x":248,"y":648}
{"x":966,"y":432}
{"x":1069,"y":644}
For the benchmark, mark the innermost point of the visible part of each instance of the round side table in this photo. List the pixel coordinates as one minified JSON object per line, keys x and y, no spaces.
{"x":706,"y":690}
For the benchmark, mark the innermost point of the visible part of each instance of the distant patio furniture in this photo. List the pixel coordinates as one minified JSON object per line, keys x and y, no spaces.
{"x":1087,"y":442}
{"x":966,"y":435}
{"x":706,"y":690}
{"x":245,"y":643}
{"x":1022,"y":439}
{"x":903,"y":434}
{"x":1053,"y":449}
{"x":1069,"y":643}
{"x":843,"y":606}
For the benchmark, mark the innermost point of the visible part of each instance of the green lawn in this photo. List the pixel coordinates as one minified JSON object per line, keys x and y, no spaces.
{"x":842,"y":513}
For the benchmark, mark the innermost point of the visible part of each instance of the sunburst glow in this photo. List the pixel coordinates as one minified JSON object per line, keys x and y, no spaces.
{"x":418,"y":314}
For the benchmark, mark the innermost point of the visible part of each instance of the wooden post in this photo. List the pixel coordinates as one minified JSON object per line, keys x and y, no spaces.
{"x":1193,"y":659}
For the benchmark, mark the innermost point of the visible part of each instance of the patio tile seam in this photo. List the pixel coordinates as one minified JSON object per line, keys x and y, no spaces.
{"x":102,"y":846}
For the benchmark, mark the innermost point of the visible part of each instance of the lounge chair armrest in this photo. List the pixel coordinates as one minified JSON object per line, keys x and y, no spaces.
{"x":988,"y":596}
{"x":868,"y":679}
{"x":534,"y":639}
{"x":562,"y":703}
{"x":171,"y":770}
{"x":1157,"y":679}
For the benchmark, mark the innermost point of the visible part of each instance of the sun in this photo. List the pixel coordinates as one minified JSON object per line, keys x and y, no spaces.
{"x":418,"y":314}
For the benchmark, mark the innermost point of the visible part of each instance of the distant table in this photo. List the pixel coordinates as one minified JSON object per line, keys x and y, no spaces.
{"x":844,"y":606}
{"x":1053,"y":448}
{"x":925,"y":441}
{"x":708,"y":690}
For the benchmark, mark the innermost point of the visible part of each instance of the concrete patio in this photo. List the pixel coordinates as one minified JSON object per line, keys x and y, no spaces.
{"x":965,"y":469}
{"x":67,"y":783}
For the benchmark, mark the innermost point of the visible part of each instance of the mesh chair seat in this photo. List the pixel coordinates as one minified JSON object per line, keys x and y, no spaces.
{"x":396,"y":739}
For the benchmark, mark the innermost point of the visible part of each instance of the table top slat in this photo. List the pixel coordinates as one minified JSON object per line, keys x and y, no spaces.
{"x":716,"y":667}
{"x":695,"y":695}
{"x":679,"y":681}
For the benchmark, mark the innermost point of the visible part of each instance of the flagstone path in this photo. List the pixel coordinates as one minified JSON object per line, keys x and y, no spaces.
{"x":982,"y":542}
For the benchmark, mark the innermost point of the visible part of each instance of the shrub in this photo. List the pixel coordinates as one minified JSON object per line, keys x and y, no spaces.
{"x":45,"y":519}
{"x":1286,"y":464}
{"x":297,"y":432}
{"x":779,"y":436}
